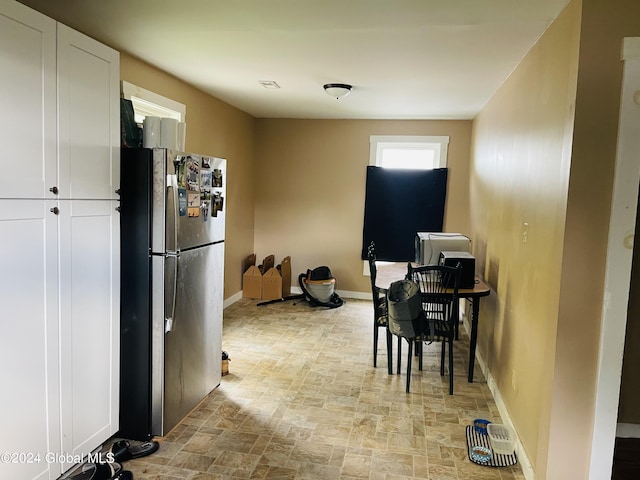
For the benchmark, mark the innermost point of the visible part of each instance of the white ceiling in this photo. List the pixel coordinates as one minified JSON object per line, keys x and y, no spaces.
{"x":406,"y":59}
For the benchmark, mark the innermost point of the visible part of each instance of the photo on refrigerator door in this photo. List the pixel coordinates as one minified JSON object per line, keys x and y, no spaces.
{"x":193,"y":204}
{"x":182,"y":201}
{"x":180,"y":174}
{"x":192,"y":173}
{"x":205,"y":181}
{"x":205,"y":201}
{"x":218,"y":204}
{"x":217,"y":177}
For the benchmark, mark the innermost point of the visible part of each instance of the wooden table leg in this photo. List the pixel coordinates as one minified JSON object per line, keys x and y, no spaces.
{"x":399,"y":355}
{"x":389,"y":351}
{"x":475,"y":311}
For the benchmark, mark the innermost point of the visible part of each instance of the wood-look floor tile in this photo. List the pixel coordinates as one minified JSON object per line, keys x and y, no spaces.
{"x":303,"y":401}
{"x":441,"y":472}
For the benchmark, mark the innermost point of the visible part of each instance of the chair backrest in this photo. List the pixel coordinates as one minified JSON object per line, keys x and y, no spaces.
{"x":371,"y":257}
{"x":439,"y":285}
{"x":378,"y":293}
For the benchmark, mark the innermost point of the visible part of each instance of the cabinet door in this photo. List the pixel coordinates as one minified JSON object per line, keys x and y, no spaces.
{"x":28,"y":100}
{"x":89,"y":117}
{"x":29,"y":404}
{"x":89,"y":323}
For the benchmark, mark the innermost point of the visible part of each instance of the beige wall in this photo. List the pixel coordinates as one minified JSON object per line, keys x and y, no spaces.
{"x":310,"y":189}
{"x":520,"y":174}
{"x":213,"y":128}
{"x":549,"y":291}
{"x":604,"y":25}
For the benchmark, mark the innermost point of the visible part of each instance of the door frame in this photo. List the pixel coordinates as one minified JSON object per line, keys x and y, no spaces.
{"x":618,"y":266}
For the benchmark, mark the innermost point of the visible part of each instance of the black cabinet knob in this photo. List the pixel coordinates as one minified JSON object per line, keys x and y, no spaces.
{"x":55,"y":210}
{"x":54,"y":190}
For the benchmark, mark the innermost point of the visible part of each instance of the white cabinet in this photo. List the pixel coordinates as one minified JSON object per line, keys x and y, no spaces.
{"x":88,"y":103}
{"x":59,"y":243}
{"x":89,"y":254}
{"x":28,"y":102}
{"x":89,"y":232}
{"x":29,"y":349}
{"x":59,"y":96}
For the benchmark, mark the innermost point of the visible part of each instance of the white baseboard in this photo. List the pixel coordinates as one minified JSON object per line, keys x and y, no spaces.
{"x":523,"y":459}
{"x":628,"y":430}
{"x":354,"y":295}
{"x":341,"y":293}
{"x":232,"y":299}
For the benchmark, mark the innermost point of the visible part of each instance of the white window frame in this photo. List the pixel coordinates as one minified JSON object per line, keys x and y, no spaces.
{"x":147,"y":103}
{"x":438,"y":144}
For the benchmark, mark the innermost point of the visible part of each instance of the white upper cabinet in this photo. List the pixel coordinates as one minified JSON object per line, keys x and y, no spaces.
{"x":28,"y":102}
{"x":56,"y":72}
{"x":89,"y":117}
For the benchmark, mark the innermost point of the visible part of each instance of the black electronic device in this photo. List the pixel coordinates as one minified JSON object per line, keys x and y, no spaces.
{"x":466,"y":261}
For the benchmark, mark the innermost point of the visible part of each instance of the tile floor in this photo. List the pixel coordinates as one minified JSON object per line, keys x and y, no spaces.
{"x":303,"y":401}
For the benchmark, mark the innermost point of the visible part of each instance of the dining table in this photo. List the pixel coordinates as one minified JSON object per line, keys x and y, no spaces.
{"x":389,"y":272}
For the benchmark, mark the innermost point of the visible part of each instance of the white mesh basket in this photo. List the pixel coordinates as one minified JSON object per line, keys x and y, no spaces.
{"x":502,"y":438}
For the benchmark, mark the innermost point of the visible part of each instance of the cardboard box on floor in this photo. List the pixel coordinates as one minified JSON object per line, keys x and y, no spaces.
{"x":251,"y":278}
{"x":276,"y":282}
{"x":267,"y":264}
{"x":271,"y":285}
{"x":285,"y":271}
{"x":252,"y":283}
{"x":248,"y":261}
{"x":266,"y":281}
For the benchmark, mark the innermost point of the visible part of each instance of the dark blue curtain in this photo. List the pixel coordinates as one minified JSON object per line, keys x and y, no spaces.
{"x":398,"y":204}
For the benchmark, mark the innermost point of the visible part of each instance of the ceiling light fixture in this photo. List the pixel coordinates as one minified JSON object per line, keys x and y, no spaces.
{"x":338,"y":90}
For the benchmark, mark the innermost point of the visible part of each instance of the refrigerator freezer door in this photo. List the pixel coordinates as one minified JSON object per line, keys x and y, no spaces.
{"x":162,"y":175}
{"x":204,"y":181}
{"x":188,"y":200}
{"x":193,"y":349}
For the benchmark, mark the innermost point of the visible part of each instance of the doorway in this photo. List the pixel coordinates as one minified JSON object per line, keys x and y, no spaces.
{"x":618,"y":267}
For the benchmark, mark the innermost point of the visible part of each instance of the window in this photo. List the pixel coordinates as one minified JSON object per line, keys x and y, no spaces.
{"x":417,"y":152}
{"x":399,"y":152}
{"x":147,"y":103}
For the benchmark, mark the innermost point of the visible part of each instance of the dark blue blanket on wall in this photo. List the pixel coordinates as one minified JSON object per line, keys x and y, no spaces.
{"x":398,"y":204}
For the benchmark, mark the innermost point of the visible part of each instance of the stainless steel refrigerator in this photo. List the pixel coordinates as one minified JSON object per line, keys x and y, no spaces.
{"x":172,"y":250}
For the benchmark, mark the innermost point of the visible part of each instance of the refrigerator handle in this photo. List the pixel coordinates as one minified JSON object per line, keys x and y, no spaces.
{"x":172,"y":213}
{"x":171,"y":285}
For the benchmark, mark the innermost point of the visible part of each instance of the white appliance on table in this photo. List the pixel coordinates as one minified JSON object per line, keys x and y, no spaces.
{"x":429,"y":245}
{"x":173,"y":226}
